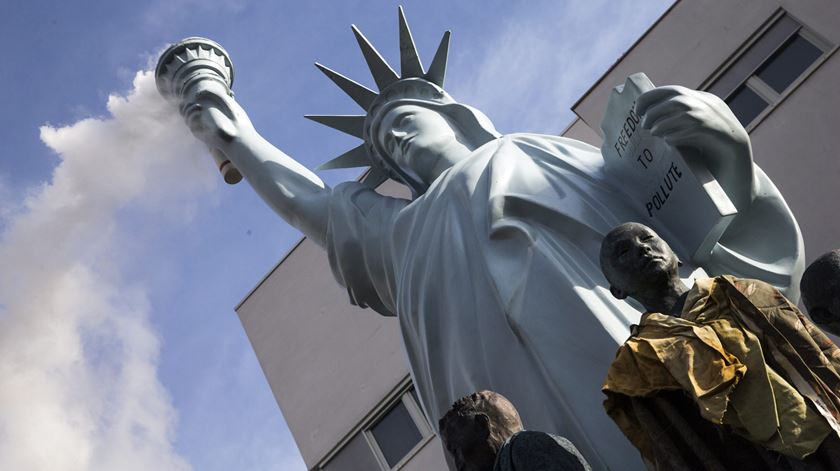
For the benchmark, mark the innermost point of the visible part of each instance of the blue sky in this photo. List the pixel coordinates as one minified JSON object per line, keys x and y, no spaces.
{"x":122,"y":254}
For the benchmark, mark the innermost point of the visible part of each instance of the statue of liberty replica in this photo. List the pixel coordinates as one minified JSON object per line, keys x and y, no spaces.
{"x":491,"y":268}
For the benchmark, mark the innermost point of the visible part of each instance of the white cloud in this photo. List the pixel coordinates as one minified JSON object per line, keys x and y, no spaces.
{"x":78,"y":356}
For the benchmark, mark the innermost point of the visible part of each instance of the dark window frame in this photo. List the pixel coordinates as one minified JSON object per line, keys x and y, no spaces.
{"x":404,"y":393}
{"x":417,"y":416}
{"x":741,"y":69}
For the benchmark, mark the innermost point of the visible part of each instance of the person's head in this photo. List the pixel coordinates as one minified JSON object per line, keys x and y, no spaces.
{"x":820,"y":287}
{"x":476,"y":427}
{"x":635,"y":260}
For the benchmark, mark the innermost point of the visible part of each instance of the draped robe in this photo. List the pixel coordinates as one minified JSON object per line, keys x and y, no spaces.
{"x":494,"y":277}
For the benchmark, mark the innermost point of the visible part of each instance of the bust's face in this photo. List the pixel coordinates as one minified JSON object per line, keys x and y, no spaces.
{"x":420,"y":139}
{"x":471,"y":443}
{"x":638,"y":257}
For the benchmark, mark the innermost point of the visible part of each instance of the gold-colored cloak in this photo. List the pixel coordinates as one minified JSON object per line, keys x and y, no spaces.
{"x":744,"y":356}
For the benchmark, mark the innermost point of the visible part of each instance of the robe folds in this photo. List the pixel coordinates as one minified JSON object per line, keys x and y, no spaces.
{"x":494,"y":277}
{"x":743,"y":358}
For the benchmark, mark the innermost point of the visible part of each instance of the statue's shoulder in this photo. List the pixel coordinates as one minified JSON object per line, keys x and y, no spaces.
{"x":578,"y":153}
{"x":749,"y":287}
{"x":354,"y":196}
{"x":529,"y":450}
{"x":558,"y":145}
{"x":548,"y":140}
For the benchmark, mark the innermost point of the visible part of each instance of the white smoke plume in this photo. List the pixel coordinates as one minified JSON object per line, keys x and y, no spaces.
{"x":78,"y":356}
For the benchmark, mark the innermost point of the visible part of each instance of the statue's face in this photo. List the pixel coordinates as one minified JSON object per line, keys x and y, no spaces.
{"x":420,"y":139}
{"x":637,"y":259}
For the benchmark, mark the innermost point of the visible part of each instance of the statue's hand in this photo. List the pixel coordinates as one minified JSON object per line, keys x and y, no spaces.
{"x":212,"y":115}
{"x":685,"y":117}
{"x":691,"y":119}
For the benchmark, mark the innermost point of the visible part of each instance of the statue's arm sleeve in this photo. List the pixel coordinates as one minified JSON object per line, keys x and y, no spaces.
{"x":360,"y":245}
{"x":762,"y":242}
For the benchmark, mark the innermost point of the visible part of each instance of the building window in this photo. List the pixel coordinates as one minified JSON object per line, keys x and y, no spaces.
{"x":396,"y":434}
{"x":764,"y":73}
{"x":788,"y":63}
{"x":355,"y":456}
{"x":388,"y":439}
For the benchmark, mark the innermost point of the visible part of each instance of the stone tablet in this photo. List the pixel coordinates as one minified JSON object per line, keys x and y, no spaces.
{"x":683,"y":202}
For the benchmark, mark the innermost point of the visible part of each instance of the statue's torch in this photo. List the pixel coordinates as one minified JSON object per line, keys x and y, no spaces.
{"x":182,"y":66}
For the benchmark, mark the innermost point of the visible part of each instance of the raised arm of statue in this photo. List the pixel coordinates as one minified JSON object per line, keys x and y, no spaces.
{"x":196,"y":74}
{"x":293,"y":191}
{"x":704,"y":127}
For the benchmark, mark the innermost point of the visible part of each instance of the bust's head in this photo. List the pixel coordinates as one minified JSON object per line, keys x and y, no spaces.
{"x":635,"y":260}
{"x":820,"y":287}
{"x":476,"y":427}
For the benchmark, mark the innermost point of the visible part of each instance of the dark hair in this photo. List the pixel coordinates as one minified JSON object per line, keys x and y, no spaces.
{"x":502,"y":418}
{"x":820,"y":283}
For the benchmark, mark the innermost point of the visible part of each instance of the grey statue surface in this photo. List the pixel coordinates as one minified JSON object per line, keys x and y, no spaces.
{"x":492,"y":267}
{"x":820,"y":287}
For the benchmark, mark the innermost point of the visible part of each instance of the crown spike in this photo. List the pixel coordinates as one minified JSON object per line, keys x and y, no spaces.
{"x":410,"y":65}
{"x":382,"y":73}
{"x":362,"y":95}
{"x":355,"y":157}
{"x":352,"y":125}
{"x":374,"y":178}
{"x":437,"y":70}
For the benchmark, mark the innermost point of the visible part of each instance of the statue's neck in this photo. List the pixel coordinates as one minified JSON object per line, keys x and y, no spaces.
{"x":667,"y":298}
{"x":445,"y":158}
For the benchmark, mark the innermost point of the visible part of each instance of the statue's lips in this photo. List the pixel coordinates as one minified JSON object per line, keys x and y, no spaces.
{"x":653,"y":260}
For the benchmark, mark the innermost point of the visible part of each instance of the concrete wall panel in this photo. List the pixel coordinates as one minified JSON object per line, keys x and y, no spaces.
{"x":328,"y":363}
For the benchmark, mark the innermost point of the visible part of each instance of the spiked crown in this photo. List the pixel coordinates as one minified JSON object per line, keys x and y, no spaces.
{"x":412,"y":84}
